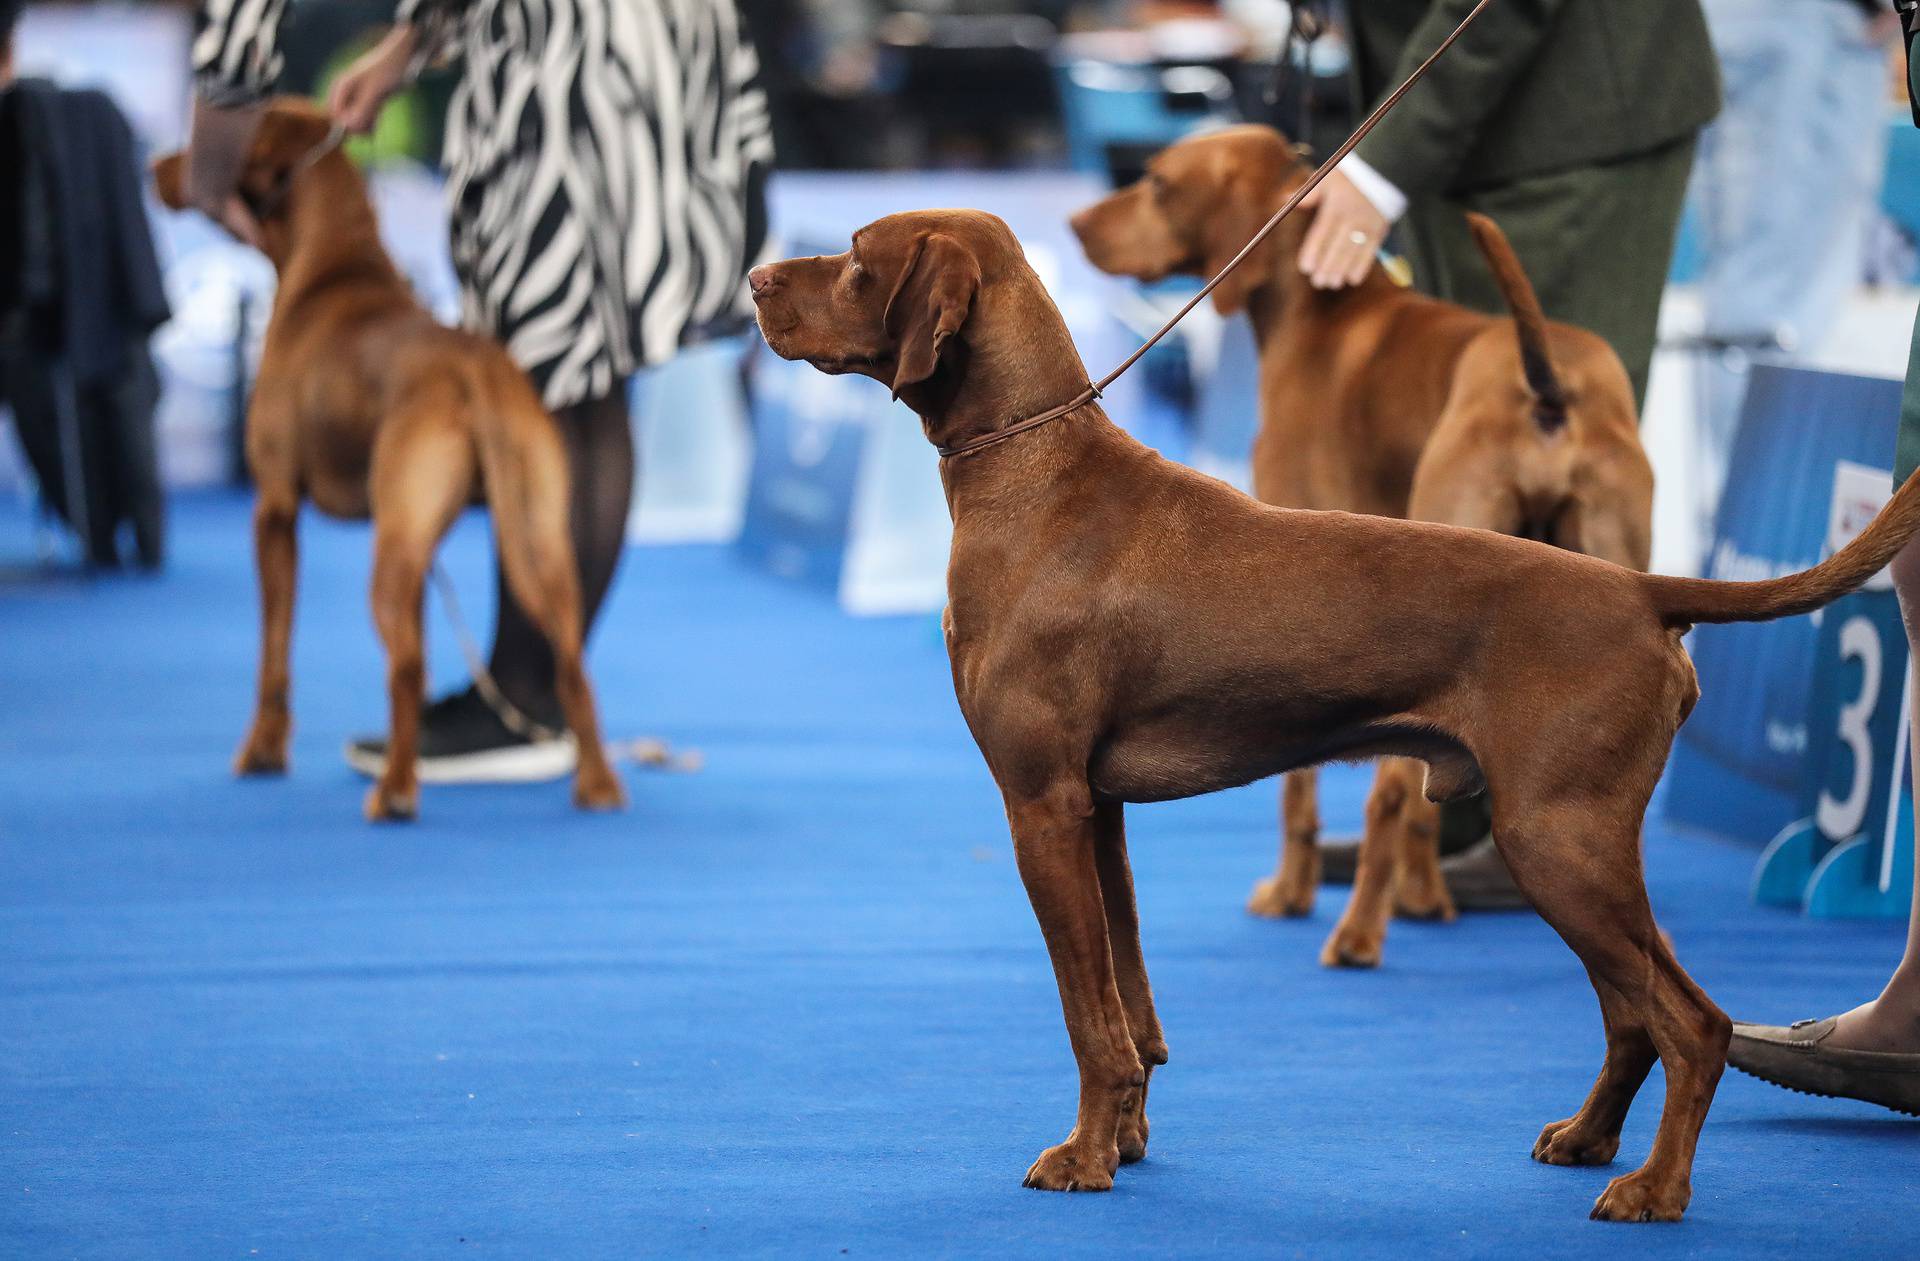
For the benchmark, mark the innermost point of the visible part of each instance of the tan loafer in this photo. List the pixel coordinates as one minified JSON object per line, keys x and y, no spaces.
{"x":1796,"y":1057}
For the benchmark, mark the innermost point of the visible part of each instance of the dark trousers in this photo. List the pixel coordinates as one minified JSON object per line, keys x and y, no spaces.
{"x":1596,"y":242}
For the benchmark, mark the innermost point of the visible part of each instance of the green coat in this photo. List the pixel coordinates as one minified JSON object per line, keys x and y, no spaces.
{"x":1532,"y":88}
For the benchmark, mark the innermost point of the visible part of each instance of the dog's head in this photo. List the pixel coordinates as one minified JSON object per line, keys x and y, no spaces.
{"x":1200,"y":201}
{"x":896,"y":305}
{"x":290,"y":135}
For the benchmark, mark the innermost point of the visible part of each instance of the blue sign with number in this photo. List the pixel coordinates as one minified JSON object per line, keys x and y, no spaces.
{"x":1741,"y":761}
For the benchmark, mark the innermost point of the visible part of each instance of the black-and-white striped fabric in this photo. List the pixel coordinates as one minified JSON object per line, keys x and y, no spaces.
{"x":606,"y":165}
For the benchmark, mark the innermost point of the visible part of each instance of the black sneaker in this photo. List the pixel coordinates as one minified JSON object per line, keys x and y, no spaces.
{"x":462,"y":741}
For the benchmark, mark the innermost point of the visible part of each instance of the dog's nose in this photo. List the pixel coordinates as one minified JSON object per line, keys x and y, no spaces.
{"x":761,"y":279}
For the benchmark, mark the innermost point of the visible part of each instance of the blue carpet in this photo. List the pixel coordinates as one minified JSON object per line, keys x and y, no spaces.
{"x":794,"y":1004}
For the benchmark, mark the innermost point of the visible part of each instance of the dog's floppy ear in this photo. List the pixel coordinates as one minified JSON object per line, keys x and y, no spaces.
{"x":170,"y":180}
{"x":1248,"y":197}
{"x":1231,"y":230}
{"x":930,"y":301}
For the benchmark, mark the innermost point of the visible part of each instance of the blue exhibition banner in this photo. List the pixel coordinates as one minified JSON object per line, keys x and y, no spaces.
{"x":1808,"y":446}
{"x":810,"y":434}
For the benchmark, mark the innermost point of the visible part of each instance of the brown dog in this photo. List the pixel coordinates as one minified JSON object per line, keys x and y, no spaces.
{"x":1378,"y":399}
{"x":368,"y":407}
{"x":1124,"y":629}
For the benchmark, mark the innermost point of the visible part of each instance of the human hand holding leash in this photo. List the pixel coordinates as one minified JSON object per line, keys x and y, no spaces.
{"x":356,"y":98}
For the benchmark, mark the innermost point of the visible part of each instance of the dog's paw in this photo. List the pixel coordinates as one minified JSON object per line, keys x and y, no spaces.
{"x":392,"y":805}
{"x":1352,"y":947}
{"x":1274,"y":899}
{"x":257,"y":761}
{"x":599,"y":792}
{"x":1639,"y":1197}
{"x":1133,"y":1137}
{"x":1070,"y":1167}
{"x":1565,"y":1143}
{"x":1425,"y":902}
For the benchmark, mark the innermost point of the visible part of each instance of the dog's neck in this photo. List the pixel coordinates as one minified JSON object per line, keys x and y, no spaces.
{"x":326,"y":232}
{"x":1286,"y":300}
{"x":989,"y":384}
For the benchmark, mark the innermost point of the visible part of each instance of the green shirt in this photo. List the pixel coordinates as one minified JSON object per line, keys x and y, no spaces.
{"x":1533,"y":86}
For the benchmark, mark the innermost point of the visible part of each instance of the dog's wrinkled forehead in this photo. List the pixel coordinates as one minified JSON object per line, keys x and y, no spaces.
{"x":1218,"y":155}
{"x":891,"y":241}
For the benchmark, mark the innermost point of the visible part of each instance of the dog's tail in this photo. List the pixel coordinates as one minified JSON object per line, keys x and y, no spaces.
{"x":528,"y":496}
{"x":1529,"y":321}
{"x":1682,"y":601}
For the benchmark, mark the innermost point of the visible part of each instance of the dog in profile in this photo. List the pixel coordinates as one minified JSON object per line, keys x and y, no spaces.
{"x":368,"y":407}
{"x":1124,"y":629}
{"x":1381,"y":400}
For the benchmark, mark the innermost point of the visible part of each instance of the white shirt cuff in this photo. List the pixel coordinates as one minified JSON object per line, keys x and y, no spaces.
{"x":1375,"y":187}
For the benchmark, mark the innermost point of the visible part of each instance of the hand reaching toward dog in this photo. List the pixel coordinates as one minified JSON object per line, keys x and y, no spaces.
{"x":1346,"y":234}
{"x":356,"y":98}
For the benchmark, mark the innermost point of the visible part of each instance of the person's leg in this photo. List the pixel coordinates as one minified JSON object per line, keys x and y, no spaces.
{"x":1872,"y":1052}
{"x":1891,"y":1022}
{"x":599,"y":438}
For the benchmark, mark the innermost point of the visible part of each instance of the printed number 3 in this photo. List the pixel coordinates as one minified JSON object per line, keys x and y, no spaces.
{"x":1840,"y":820}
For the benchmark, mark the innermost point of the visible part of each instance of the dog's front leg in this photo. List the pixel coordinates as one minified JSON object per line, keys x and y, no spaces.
{"x":1055,"y":840}
{"x":1399,"y":861}
{"x":1129,"y":967}
{"x":1289,"y":892}
{"x":275,"y":555}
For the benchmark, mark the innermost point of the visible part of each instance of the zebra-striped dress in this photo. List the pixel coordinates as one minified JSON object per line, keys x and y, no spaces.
{"x":606,"y":163}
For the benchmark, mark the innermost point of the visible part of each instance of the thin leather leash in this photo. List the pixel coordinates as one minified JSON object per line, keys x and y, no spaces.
{"x":642,"y":751}
{"x":1094,"y":389}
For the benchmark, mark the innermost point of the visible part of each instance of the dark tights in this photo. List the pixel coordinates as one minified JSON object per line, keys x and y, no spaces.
{"x":599,"y":438}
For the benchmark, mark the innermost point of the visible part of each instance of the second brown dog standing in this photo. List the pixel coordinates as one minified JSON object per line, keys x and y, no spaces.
{"x":368,"y":407}
{"x":1381,"y":400}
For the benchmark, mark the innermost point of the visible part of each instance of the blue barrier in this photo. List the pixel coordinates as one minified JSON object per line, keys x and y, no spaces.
{"x":1831,"y":859}
{"x":1227,"y":408}
{"x":1739,"y":764}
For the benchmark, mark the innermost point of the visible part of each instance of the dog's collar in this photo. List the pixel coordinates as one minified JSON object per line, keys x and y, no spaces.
{"x":1074,"y":404}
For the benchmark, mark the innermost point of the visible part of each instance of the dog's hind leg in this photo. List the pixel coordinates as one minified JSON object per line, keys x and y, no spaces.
{"x":1592,"y":1135}
{"x":1289,"y":892}
{"x":527,"y":492}
{"x":422,"y":475}
{"x":1057,"y":841}
{"x":276,"y":513}
{"x":1129,"y":968}
{"x":1579,"y":863}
